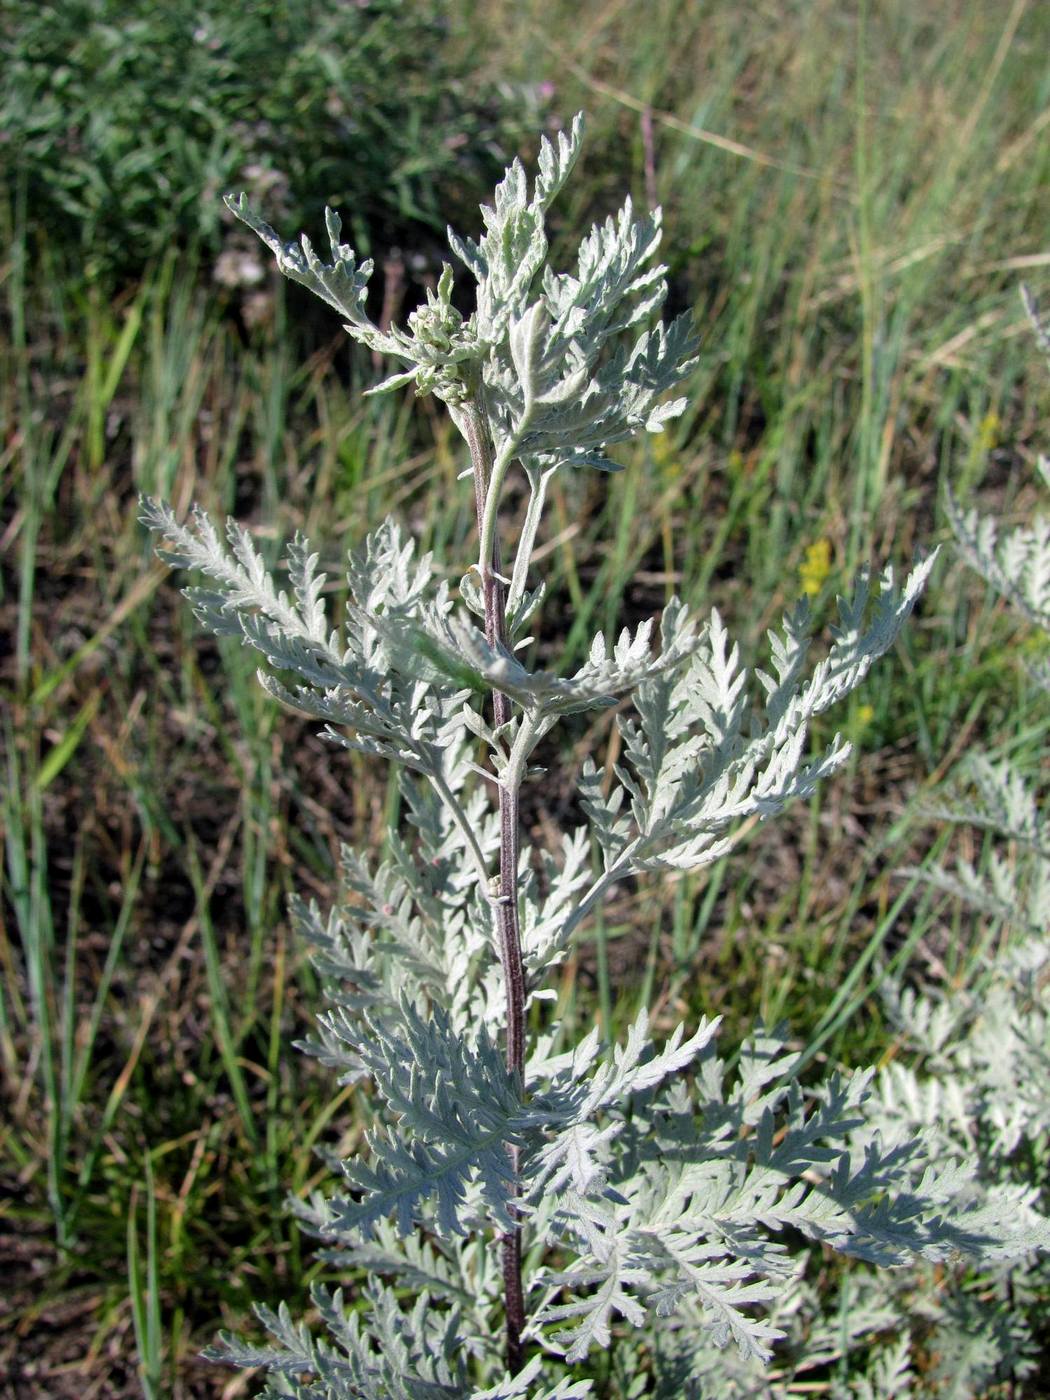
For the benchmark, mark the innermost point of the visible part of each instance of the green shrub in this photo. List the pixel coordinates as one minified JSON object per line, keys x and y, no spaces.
{"x":124,"y":122}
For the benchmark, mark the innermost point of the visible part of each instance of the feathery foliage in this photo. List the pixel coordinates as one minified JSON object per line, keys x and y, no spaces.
{"x":973,"y":1066}
{"x":539,"y":1201}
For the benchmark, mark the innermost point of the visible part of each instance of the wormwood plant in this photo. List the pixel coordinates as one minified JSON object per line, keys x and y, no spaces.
{"x":973,"y":1062}
{"x":521,"y":1199}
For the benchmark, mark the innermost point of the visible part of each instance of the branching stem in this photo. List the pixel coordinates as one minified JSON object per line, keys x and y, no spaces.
{"x":487,"y":485}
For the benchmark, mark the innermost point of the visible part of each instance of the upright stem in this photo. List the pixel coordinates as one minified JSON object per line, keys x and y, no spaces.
{"x":475,"y":428}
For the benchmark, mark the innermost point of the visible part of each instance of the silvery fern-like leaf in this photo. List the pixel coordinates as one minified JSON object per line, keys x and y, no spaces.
{"x":569,"y":420}
{"x":977,"y":1345}
{"x":891,"y":1377}
{"x":456,"y":1107}
{"x":383,"y":1353}
{"x":461,"y":1272}
{"x":691,"y":767}
{"x":609,"y":823}
{"x":1016,"y":564}
{"x":986,"y":1080}
{"x":346,"y":680}
{"x":1003,"y":801}
{"x":788,"y":651}
{"x":996,"y":797}
{"x":417,"y":926}
{"x":513,"y":248}
{"x":544,"y":917}
{"x":437,"y":345}
{"x":576,"y":1102}
{"x":697,"y":1217}
{"x":524,"y":1385}
{"x":867,"y":627}
{"x":621,"y":1265}
{"x":403,"y":1174}
{"x":611,"y":272}
{"x":342,"y":283}
{"x":821,"y":1335}
{"x":995,"y":892}
{"x":440,"y":647}
{"x":1000,"y":1050}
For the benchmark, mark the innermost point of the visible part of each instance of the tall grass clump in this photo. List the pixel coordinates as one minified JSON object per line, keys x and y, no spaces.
{"x":537,"y":1209}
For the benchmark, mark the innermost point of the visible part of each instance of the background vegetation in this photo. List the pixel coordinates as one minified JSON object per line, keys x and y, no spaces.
{"x":851,"y":195}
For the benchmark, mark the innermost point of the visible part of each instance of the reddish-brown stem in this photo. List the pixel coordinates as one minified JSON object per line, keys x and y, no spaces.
{"x":476,"y":431}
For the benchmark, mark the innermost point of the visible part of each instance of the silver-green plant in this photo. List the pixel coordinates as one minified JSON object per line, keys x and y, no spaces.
{"x":536,"y":1198}
{"x":971,"y":1065}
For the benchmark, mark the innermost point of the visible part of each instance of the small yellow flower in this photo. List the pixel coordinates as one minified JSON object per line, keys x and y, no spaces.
{"x":864,"y":716}
{"x":815,"y":567}
{"x":987,"y":435}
